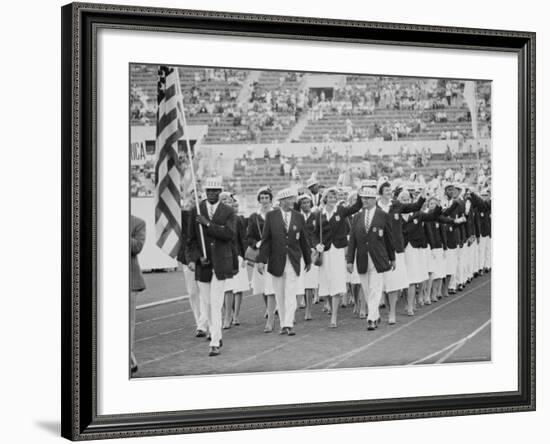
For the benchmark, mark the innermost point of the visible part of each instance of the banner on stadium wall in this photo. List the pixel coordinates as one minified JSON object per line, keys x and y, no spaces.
{"x":138,"y":155}
{"x":151,"y":256}
{"x":233,"y":151}
{"x":142,"y":141}
{"x":324,"y":81}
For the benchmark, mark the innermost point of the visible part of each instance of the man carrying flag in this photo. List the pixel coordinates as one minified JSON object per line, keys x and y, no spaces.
{"x":213,"y":261}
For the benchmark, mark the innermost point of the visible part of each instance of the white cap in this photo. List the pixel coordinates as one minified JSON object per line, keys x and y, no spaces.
{"x":266,"y":189}
{"x":213,"y":183}
{"x":368,"y":183}
{"x":381,"y":180}
{"x":458,"y":185}
{"x":368,"y":188}
{"x":447,"y":185}
{"x":286,"y":192}
{"x":311,"y":181}
{"x":305,"y":196}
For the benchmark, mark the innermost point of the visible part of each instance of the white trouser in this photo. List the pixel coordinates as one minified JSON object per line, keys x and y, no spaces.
{"x":211,"y":302}
{"x":481,"y":252}
{"x":488,"y":247}
{"x":194,"y":299}
{"x":372,"y":283}
{"x":285,"y":294}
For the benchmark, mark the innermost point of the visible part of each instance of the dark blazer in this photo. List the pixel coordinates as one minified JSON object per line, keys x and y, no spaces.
{"x":254,"y":230}
{"x":240,"y":236}
{"x":413,"y":228}
{"x":396,"y":209}
{"x":453,"y":232}
{"x":218,"y":238}
{"x":311,"y":223}
{"x":483,"y":208}
{"x":377,"y":242}
{"x":335,"y":229}
{"x":277,"y":243}
{"x":183,"y":254}
{"x":433,"y":234}
{"x":137,"y":240}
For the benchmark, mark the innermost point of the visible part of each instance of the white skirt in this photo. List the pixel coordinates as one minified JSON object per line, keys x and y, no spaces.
{"x":417,"y":267}
{"x":353,"y":277}
{"x":332,"y":272}
{"x":308,"y":280}
{"x":397,"y":279}
{"x":437,"y":262}
{"x":450,"y":261}
{"x":239,"y":282}
{"x":262,"y":283}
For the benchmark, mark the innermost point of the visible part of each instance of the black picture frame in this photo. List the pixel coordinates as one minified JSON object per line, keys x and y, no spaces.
{"x":80,"y":23}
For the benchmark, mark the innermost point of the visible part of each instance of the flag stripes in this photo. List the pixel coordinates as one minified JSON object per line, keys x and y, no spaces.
{"x":167,"y":174}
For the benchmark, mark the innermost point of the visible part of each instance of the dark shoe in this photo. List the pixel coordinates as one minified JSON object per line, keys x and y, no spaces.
{"x":200,"y":334}
{"x":371,"y":325}
{"x":283,"y":331}
{"x":289,"y":331}
{"x":214,"y":351}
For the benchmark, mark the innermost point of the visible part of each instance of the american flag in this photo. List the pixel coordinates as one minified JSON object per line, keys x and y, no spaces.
{"x":167,"y":175}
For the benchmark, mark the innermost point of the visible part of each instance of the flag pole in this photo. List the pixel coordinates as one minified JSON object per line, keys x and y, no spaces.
{"x":190,"y":156}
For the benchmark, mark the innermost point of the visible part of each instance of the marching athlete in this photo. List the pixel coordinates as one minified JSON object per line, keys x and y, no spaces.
{"x":397,"y":279}
{"x":308,"y":281}
{"x":284,"y":244}
{"x":261,"y":283}
{"x":371,"y":246}
{"x":218,"y":263}
{"x":331,"y":242}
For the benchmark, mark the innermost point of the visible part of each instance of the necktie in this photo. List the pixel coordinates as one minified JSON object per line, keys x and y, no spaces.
{"x":285,"y":218}
{"x":211,"y":211}
{"x":367,"y":220}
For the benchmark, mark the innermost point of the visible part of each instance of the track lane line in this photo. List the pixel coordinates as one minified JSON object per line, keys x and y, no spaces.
{"x":334,"y":361}
{"x":454,"y":344}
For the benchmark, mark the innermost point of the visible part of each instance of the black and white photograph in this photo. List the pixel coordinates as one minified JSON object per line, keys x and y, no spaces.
{"x":300,"y":221}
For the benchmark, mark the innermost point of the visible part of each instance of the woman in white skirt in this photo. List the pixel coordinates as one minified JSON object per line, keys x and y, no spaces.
{"x":308,"y":281}
{"x":416,"y":248}
{"x":436,"y":266}
{"x":262,"y":283}
{"x":238,"y":284}
{"x":396,"y":280}
{"x":330,"y":239}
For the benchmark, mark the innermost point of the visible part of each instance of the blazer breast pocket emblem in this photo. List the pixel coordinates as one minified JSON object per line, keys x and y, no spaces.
{"x":380,"y":232}
{"x":374,"y":229}
{"x":337,"y":218}
{"x":294,"y":227}
{"x":396,"y":216}
{"x":415,"y":221}
{"x":436,"y":225}
{"x":450,"y":228}
{"x":297,"y":236}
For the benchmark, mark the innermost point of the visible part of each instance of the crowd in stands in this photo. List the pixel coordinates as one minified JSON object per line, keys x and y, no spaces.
{"x":372,"y":108}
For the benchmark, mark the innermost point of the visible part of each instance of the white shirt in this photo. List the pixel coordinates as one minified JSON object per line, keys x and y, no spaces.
{"x":211,"y":208}
{"x":384,"y":207}
{"x":286,"y":218}
{"x":370,"y":214}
